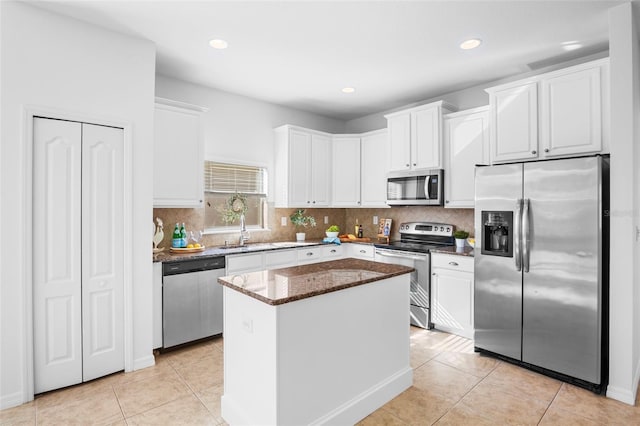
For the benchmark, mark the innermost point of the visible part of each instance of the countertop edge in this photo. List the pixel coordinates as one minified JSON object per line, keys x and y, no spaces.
{"x":353,"y":263}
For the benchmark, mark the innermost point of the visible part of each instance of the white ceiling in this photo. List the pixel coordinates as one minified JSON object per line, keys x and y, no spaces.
{"x":301,"y":54}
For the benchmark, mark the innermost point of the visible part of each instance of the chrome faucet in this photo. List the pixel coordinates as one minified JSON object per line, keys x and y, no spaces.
{"x":244,"y":234}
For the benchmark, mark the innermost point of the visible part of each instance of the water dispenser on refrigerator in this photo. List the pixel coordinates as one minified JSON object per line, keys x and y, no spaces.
{"x":497,"y":233}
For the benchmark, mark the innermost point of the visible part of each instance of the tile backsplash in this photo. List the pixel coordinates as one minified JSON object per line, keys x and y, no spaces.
{"x":344,"y":218}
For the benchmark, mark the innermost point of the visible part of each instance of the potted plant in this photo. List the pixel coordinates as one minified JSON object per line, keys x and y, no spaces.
{"x":332,"y":231}
{"x":461,"y":237}
{"x":300,"y":221}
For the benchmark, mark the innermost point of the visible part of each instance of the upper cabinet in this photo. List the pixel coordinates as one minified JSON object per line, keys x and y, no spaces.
{"x":359,"y":166}
{"x":374,"y":160}
{"x":302,"y":167}
{"x":346,"y":167}
{"x":178,"y":163}
{"x":415,"y":137}
{"x":466,"y":144}
{"x":562,"y":113}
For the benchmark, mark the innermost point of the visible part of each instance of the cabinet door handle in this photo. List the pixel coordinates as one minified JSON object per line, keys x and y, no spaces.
{"x":546,"y":150}
{"x":447,"y":201}
{"x":453,"y":263}
{"x":313,"y":202}
{"x":333,"y":251}
{"x":534,"y":152}
{"x":308,"y":202}
{"x":310,"y":253}
{"x":434,"y":274}
{"x":407,"y":164}
{"x":363,"y":251}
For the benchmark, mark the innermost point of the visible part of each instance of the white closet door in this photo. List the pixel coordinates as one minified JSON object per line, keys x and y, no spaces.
{"x":102,"y":244}
{"x":56,"y":254}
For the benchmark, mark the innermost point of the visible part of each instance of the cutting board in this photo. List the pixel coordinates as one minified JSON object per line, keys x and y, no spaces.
{"x":357,"y":240}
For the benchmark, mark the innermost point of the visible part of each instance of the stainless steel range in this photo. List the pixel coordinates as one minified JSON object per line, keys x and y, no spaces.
{"x":413,"y":249}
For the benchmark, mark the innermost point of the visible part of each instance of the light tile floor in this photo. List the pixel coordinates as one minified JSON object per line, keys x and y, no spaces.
{"x":452,"y":386}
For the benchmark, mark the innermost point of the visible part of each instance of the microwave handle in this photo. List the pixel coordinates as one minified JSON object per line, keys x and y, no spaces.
{"x":426,"y":186}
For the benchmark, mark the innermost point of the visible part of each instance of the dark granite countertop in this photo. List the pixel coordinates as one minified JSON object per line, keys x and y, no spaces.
{"x":279,"y":286}
{"x":169,"y":256}
{"x":464,"y":251}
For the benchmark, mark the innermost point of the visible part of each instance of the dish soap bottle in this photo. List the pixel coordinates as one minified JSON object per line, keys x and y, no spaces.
{"x":357,"y":228}
{"x":360,"y":232}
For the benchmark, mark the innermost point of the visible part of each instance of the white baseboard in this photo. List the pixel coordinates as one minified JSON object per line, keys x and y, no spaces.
{"x":12,"y":400}
{"x":147,"y":361}
{"x":369,"y":401}
{"x":628,"y":396}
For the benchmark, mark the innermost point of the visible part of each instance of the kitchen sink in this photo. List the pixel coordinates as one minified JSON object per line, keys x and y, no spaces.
{"x":292,"y":244}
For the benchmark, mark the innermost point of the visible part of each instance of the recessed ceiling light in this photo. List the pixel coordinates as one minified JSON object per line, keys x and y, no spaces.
{"x":472,"y":43}
{"x":217,"y":43}
{"x":348,"y":90}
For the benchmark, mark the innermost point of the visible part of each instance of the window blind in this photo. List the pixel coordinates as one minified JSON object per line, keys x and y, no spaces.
{"x":232,"y":178}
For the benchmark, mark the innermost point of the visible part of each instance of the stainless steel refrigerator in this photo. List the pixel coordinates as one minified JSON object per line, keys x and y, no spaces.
{"x":541,"y":266}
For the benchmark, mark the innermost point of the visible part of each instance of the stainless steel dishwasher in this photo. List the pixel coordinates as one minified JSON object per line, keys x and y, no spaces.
{"x":191,"y":300}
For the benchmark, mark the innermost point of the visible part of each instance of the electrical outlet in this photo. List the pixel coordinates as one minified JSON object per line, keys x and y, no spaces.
{"x":326,"y":220}
{"x":375,"y":220}
{"x":283,"y":221}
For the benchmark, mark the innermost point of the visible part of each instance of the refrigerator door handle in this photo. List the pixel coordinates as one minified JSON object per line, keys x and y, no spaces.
{"x":517,"y":232}
{"x":525,"y":236}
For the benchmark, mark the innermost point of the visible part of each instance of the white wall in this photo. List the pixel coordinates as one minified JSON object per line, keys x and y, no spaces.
{"x":50,"y":61}
{"x":625,"y":186}
{"x":238,"y":128}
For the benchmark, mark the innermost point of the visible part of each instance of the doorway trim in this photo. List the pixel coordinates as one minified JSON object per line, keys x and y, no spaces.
{"x":29,"y":113}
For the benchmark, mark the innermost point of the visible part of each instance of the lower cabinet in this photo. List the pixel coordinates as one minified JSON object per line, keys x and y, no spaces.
{"x":360,"y":251}
{"x":452,"y":293}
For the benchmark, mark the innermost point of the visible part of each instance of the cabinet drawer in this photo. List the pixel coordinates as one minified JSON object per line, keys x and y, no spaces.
{"x":281,"y":258}
{"x":452,"y":261}
{"x":364,"y":251}
{"x":244,"y":263}
{"x":310,"y":255}
{"x":332,"y":252}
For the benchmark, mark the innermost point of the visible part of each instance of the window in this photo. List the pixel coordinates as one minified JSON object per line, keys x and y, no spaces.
{"x":229,"y":187}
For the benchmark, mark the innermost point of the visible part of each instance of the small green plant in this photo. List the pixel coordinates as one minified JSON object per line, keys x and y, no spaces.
{"x":299,"y":219}
{"x":460,"y":234}
{"x":333,"y":228}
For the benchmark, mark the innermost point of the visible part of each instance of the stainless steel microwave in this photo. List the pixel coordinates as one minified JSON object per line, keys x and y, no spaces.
{"x":415,"y":188}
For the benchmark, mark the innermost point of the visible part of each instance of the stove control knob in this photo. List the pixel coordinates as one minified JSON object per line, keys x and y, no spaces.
{"x":442,"y":229}
{"x":448,"y":229}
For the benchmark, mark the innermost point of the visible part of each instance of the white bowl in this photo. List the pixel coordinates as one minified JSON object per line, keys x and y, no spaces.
{"x":332,"y":234}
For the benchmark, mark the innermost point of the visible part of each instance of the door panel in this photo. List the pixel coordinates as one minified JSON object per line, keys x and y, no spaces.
{"x":498,"y":284}
{"x":562,"y":290}
{"x":56,"y":254}
{"x":102,"y":240}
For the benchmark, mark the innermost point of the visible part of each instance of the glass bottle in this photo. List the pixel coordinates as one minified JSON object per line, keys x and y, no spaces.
{"x":176,"y":240}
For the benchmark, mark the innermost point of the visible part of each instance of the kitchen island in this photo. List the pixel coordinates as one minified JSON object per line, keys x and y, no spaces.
{"x":315,"y":344}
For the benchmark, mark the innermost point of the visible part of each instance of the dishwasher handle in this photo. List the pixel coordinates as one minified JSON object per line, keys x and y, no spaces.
{"x":193,"y":265}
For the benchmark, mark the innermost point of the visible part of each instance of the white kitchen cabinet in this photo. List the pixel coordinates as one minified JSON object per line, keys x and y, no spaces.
{"x":374,"y":166}
{"x":346,"y":166}
{"x":514,"y":122}
{"x":243,"y":263}
{"x":415,"y":137}
{"x":360,"y":165}
{"x":311,"y":254}
{"x":556,"y":114}
{"x":360,"y":251}
{"x":302,"y":167}
{"x":178,"y":163}
{"x":571,"y":119}
{"x":280,"y":258}
{"x":332,"y":252}
{"x":452,"y":293}
{"x":466,"y":144}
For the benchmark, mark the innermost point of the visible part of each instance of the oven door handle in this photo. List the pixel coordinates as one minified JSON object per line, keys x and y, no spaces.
{"x":403,"y":256}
